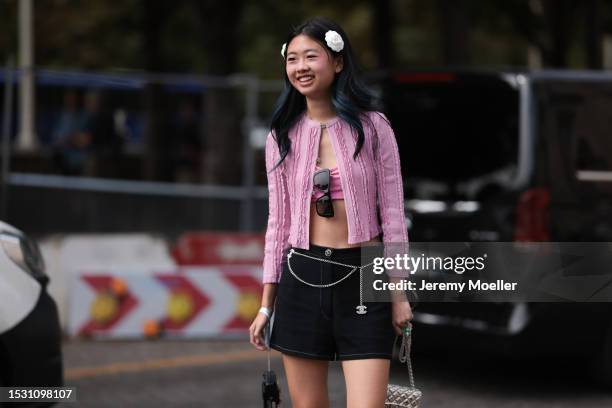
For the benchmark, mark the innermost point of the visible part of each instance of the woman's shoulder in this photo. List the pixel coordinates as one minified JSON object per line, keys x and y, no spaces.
{"x":376,"y":121}
{"x":377,"y":117}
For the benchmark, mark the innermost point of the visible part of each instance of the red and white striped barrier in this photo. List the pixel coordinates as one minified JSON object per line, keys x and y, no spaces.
{"x":215,"y":248}
{"x":191,"y":302}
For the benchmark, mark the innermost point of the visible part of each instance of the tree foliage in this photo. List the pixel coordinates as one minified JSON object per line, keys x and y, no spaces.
{"x":209,"y":36}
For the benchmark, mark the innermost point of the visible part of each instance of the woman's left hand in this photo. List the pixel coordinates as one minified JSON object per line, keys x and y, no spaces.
{"x":401,"y":316}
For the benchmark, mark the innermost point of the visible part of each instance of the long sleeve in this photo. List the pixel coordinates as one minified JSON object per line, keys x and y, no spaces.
{"x":277,"y":233}
{"x":390,"y":194}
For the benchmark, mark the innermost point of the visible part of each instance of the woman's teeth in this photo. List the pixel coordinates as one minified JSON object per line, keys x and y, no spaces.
{"x":305,"y":79}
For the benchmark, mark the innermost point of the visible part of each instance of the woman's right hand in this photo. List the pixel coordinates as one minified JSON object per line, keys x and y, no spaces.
{"x":256,"y":331}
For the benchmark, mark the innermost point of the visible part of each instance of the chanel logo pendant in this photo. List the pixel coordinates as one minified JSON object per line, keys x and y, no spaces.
{"x":362,"y":309}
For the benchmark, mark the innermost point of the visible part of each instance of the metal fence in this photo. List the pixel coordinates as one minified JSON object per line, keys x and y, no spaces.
{"x":144,"y":187}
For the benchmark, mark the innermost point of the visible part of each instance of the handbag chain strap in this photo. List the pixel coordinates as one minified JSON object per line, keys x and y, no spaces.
{"x":267,"y":335}
{"x":404,"y":356}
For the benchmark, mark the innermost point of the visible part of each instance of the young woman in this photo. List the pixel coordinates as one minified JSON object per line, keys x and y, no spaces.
{"x":334,"y":185}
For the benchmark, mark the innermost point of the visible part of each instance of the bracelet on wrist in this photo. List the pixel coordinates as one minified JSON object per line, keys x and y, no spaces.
{"x":266,"y":311}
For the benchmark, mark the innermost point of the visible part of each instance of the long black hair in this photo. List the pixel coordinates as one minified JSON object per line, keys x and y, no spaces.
{"x":350,"y":97}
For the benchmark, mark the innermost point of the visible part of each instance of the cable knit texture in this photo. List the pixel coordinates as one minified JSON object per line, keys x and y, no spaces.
{"x":372,"y":186}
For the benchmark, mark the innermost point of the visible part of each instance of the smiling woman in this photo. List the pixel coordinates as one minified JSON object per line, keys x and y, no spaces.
{"x":313,"y":267}
{"x":310,"y":68}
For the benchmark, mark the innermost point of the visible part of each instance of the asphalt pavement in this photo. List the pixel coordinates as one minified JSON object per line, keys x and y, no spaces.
{"x":215,"y":373}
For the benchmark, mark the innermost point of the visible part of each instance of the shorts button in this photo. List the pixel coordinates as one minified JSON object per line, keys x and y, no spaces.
{"x":328,"y":252}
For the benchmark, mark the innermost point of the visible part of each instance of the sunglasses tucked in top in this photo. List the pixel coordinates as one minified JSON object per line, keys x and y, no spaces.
{"x":371,"y":185}
{"x":326,"y":187}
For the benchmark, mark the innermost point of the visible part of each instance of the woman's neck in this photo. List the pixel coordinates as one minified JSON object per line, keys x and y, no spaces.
{"x":320,"y":110}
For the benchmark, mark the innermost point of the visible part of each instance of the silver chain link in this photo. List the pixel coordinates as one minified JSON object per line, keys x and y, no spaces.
{"x":404,"y":357}
{"x":293,"y":251}
{"x":327,"y":285}
{"x":361,"y":309}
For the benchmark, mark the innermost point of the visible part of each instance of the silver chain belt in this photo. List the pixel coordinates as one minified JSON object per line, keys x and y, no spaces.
{"x":361,"y":309}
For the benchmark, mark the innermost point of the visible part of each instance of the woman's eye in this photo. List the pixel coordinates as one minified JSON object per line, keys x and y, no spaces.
{"x":311,"y":56}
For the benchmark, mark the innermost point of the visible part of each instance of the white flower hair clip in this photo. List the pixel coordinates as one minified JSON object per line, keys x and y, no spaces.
{"x":334,"y":40}
{"x":283,"y":49}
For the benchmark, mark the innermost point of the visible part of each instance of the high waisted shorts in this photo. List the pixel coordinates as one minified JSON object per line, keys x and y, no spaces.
{"x":322,"y":323}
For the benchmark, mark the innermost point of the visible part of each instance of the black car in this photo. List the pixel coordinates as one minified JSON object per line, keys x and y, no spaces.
{"x":506,"y":157}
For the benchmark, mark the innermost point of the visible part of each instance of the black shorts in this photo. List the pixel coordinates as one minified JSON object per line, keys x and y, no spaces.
{"x":322,"y":323}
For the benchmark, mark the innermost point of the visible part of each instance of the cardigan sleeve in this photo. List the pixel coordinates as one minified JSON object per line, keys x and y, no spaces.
{"x":277,"y":232}
{"x":390,"y":193}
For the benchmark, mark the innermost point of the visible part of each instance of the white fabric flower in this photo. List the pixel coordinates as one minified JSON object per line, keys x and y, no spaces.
{"x":284,"y":49}
{"x":334,"y":41}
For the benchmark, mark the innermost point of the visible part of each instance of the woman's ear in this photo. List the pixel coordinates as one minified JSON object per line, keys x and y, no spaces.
{"x":338,"y":64}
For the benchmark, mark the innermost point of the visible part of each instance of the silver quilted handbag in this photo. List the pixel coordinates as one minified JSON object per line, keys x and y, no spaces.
{"x":400,"y":396}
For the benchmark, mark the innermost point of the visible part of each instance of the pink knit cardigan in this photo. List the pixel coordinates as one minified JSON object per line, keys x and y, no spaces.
{"x":372,"y":186}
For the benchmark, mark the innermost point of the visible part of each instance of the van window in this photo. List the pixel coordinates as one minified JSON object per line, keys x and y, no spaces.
{"x":592,"y":129}
{"x":451,"y":129}
{"x":574,"y":119}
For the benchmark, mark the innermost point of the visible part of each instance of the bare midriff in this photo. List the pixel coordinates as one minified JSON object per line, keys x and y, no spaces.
{"x":331,"y":231}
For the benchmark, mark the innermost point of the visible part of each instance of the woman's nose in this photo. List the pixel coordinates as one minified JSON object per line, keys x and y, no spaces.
{"x":302,"y":66}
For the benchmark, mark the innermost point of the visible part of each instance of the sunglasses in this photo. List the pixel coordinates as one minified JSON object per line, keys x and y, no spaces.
{"x":324,"y":203}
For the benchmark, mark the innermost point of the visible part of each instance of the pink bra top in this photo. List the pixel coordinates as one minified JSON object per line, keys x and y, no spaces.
{"x":335,"y":188}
